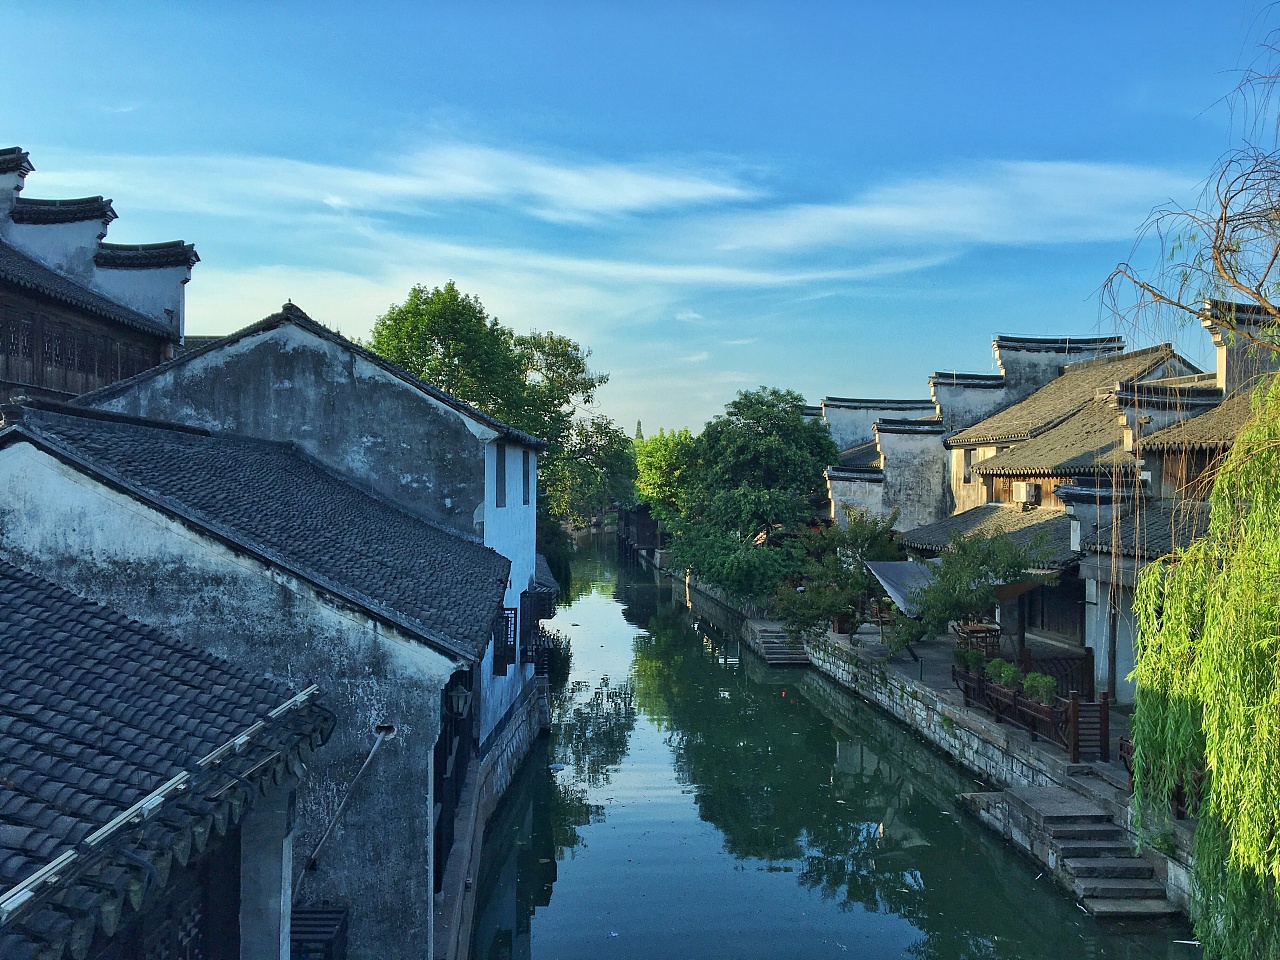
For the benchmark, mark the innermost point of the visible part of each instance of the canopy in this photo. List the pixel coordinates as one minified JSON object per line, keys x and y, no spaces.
{"x":900,"y":577}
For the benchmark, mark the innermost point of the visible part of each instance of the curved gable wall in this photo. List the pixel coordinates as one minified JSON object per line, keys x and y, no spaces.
{"x":287,"y":384}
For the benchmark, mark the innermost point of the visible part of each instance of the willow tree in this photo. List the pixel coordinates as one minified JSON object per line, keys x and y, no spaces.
{"x":1206,"y":723}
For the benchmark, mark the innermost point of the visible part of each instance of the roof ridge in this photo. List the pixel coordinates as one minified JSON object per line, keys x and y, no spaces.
{"x":290,"y":312}
{"x":283,"y":446}
{"x":35,"y":210}
{"x":1165,"y":349}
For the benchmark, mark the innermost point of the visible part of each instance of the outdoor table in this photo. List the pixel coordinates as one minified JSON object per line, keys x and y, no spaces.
{"x":979,"y":636}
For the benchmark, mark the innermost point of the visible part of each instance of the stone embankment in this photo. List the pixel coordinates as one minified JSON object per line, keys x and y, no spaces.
{"x":1094,"y":853}
{"x":1073,"y":818}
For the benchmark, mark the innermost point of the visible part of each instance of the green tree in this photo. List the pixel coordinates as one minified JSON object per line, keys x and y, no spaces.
{"x":754,"y":481}
{"x":963,"y":585}
{"x":834,"y":582}
{"x":538,"y":382}
{"x":448,"y":339}
{"x":661,"y":461}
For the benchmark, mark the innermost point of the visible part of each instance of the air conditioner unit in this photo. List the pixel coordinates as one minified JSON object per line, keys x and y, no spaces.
{"x":1026,"y":492}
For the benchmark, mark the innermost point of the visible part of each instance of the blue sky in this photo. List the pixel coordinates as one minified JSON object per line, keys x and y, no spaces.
{"x":839,"y":198}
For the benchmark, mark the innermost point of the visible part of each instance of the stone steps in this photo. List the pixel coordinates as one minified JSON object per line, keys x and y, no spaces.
{"x":1074,"y":849}
{"x":1129,"y":909}
{"x":1117,"y":888}
{"x":1085,"y":831}
{"x":1094,"y":858}
{"x":774,"y":645}
{"x":1133,"y":868}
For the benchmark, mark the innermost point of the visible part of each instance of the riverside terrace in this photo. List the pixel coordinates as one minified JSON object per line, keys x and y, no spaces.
{"x":1073,"y":817}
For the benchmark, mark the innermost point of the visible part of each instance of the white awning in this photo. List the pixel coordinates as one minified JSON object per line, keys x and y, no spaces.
{"x":900,"y":577}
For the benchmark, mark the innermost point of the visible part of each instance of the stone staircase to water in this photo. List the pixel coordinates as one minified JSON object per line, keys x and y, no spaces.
{"x":769,"y":639}
{"x":1089,"y":853}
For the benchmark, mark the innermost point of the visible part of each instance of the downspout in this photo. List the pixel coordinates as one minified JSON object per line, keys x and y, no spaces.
{"x":385,"y":731}
{"x":431,"y":850}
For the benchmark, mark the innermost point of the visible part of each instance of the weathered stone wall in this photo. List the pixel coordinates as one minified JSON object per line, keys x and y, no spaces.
{"x":915,"y":477}
{"x":985,"y":747}
{"x":289,"y":385}
{"x":862,"y":491}
{"x":979,"y":744}
{"x":850,"y":421}
{"x":108,"y":547}
{"x":964,"y":399}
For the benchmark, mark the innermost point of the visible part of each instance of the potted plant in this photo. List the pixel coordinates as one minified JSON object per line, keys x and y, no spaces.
{"x":1040,"y":687}
{"x":1003,"y":677}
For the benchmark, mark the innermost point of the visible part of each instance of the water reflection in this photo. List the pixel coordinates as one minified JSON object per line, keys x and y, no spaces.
{"x":734,"y":810}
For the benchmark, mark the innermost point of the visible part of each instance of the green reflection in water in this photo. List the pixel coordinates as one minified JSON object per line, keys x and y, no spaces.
{"x":819,"y":798}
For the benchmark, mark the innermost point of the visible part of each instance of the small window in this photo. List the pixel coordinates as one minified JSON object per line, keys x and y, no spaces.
{"x":504,"y":641}
{"x":968,"y":466}
{"x":528,"y":476}
{"x":500,"y":483}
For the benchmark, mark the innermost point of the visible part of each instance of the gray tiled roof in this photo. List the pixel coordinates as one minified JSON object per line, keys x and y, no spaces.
{"x":1154,"y":529}
{"x":1216,"y":428}
{"x":14,"y":160}
{"x":23,"y":271}
{"x":143,"y":256}
{"x":96,"y":713}
{"x":32,"y":210}
{"x":866,"y":454}
{"x":438,"y":585}
{"x":1061,"y":397}
{"x":291,"y":313}
{"x":1047,"y":529}
{"x":190,"y":343}
{"x":1087,"y":441}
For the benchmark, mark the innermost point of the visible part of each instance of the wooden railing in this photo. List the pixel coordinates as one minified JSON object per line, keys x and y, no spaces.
{"x":1072,"y":673}
{"x":1081,"y":727}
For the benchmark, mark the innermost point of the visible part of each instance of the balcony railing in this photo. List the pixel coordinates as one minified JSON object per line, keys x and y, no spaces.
{"x":1080,"y":727}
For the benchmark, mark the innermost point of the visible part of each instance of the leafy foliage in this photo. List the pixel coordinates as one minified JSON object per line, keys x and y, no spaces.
{"x":834,"y":580}
{"x":1003,"y":672}
{"x":1040,"y":686}
{"x":537,"y":382}
{"x":963,"y":585}
{"x":753,"y":480}
{"x":1208,"y":693}
{"x":661,"y":464}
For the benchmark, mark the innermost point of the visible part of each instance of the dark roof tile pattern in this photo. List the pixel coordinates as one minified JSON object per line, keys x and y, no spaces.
{"x":23,"y":271}
{"x":291,"y":313}
{"x":1154,"y":529}
{"x":144,"y":256}
{"x":15,"y":160}
{"x":190,"y":343}
{"x":866,"y":454}
{"x":32,"y":210}
{"x":1046,"y":529}
{"x":1087,"y":441}
{"x":442,"y":586}
{"x":1061,"y":397}
{"x":96,"y":712}
{"x":1218,"y":427}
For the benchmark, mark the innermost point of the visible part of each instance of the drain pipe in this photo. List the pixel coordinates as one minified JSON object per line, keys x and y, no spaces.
{"x":385,"y":731}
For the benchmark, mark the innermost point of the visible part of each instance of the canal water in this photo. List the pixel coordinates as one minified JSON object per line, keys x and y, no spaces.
{"x":693,"y":803}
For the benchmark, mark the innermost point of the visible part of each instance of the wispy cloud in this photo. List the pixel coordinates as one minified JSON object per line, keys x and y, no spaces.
{"x":545,"y":188}
{"x":979,"y":203}
{"x":744,"y":342}
{"x":700,"y":357}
